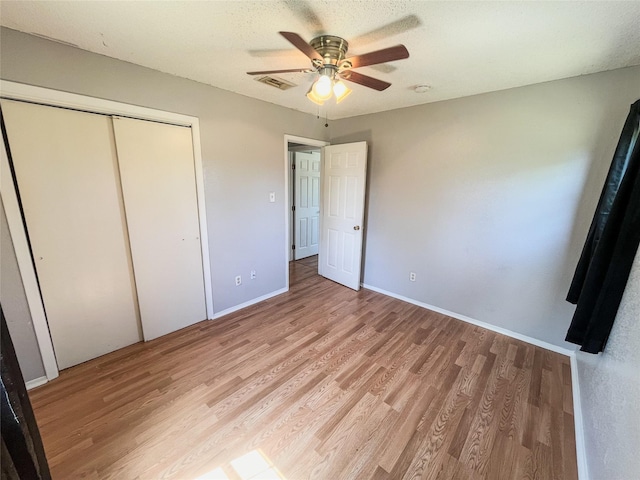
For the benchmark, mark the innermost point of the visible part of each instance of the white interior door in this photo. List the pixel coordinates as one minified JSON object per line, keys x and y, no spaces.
{"x":343,"y":191}
{"x":307,"y":204}
{"x":67,"y":175}
{"x":158,"y":183}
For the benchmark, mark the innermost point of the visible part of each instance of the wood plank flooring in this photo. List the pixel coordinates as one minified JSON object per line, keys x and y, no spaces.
{"x":325,"y":383}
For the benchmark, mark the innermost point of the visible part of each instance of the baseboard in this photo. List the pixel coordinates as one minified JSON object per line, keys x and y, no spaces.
{"x":36,"y":382}
{"x":581,"y":454}
{"x":249,"y":303}
{"x":473,"y":321}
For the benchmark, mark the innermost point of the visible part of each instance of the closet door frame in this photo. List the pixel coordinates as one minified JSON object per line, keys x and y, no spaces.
{"x":56,"y":98}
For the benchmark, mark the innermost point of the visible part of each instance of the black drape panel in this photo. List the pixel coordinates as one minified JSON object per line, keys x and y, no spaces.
{"x":603,"y":270}
{"x":22,"y":456}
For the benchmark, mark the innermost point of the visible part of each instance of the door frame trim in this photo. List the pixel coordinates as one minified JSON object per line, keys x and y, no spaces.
{"x":18,"y":236}
{"x":56,"y":98}
{"x":287,"y":237}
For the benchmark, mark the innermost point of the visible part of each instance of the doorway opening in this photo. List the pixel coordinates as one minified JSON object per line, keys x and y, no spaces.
{"x":303,"y":166}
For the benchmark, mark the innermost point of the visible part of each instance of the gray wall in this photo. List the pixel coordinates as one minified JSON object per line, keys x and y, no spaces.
{"x":489,"y":198}
{"x":15,"y":307}
{"x":242,"y":149}
{"x":610,"y":393}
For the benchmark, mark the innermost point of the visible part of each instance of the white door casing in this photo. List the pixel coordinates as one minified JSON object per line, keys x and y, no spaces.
{"x":343,"y":194}
{"x":26,"y":268}
{"x":67,"y":175}
{"x":307,"y":204}
{"x":288,"y":140}
{"x":158,"y":183}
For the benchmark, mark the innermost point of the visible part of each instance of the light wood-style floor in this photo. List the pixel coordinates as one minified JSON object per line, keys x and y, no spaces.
{"x":325,"y":383}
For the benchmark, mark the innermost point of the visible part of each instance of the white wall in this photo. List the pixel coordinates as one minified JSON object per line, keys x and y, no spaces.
{"x":489,"y":198}
{"x":610,"y":393}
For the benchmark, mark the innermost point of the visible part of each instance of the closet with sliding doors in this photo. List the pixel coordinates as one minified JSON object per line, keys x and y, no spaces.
{"x":111,"y":213}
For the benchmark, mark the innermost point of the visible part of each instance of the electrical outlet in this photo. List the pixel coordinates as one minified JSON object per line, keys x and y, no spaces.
{"x":238,"y":280}
{"x":412,"y":276}
{"x":253,"y":274}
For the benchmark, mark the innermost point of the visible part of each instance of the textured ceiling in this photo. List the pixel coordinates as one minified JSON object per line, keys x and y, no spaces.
{"x":458,"y":48}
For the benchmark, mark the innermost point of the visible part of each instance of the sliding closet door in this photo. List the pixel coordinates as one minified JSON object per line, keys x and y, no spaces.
{"x":158,"y":182}
{"x":67,"y":173}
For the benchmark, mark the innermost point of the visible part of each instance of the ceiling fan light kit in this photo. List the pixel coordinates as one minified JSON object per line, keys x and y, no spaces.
{"x":323,"y":86}
{"x":328,"y":57}
{"x":311,"y":95}
{"x":323,"y":89}
{"x":341,"y":91}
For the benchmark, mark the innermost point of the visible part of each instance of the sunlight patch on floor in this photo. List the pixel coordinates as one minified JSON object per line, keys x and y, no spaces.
{"x":217,"y":474}
{"x":254,"y":465}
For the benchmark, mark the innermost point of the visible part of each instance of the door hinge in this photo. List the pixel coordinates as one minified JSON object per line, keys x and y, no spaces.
{"x":293,"y":247}
{"x":293,"y":209}
{"x":293,"y":166}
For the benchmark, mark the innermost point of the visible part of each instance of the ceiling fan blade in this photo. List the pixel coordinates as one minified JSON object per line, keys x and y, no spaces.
{"x":379,"y":56}
{"x":298,"y":42}
{"x":290,"y":70}
{"x":305,"y":14}
{"x":365,"y":80}
{"x":396,"y":27}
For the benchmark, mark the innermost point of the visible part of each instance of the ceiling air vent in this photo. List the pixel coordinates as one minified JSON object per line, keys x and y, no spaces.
{"x":275,"y":82}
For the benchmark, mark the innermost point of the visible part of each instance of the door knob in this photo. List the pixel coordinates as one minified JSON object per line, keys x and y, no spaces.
{"x":357,"y":227}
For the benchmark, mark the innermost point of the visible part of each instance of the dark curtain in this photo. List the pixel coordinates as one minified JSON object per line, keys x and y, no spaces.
{"x":22,"y":456}
{"x":603,"y":270}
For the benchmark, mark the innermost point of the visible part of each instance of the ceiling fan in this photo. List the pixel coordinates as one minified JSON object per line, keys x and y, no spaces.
{"x":328,"y":55}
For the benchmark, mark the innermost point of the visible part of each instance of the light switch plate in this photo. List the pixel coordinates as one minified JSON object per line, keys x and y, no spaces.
{"x":272,"y":197}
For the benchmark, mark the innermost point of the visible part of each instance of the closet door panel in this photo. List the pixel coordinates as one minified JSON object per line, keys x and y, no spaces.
{"x":67,"y":174}
{"x":158,"y":182}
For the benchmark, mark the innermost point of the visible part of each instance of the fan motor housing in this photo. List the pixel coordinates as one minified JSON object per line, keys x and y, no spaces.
{"x":332,"y":49}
